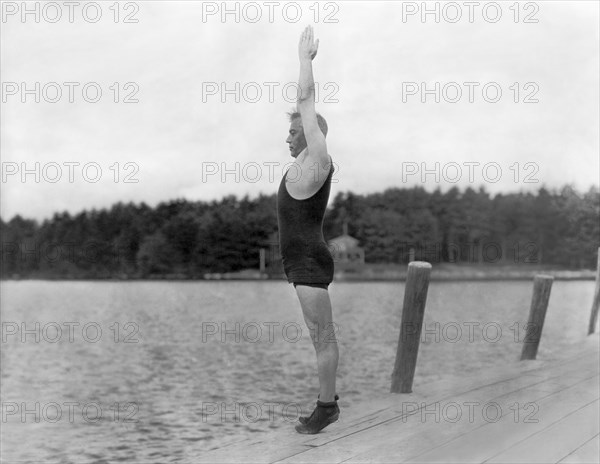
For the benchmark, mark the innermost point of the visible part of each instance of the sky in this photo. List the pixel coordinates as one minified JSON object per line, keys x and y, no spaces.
{"x":156,"y":101}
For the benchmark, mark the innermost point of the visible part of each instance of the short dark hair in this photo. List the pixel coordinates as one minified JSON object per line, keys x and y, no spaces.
{"x":320,"y":120}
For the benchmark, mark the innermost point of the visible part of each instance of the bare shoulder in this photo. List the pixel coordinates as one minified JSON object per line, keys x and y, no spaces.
{"x":310,"y":175}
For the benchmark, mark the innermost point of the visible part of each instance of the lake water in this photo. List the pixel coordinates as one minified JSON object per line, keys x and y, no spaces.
{"x":160,"y":372}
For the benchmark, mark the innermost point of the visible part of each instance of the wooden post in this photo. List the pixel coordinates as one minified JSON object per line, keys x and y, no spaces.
{"x":413,"y":310}
{"x":262,"y":254}
{"x":596,"y":302}
{"x":542,"y":284}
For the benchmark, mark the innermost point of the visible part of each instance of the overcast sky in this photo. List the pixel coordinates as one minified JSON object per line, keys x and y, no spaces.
{"x":186,"y":65}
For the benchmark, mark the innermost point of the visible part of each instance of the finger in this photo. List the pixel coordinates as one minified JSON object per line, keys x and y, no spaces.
{"x":316,"y":45}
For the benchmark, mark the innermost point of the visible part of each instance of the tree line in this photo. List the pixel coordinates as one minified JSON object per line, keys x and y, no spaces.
{"x":186,"y":239}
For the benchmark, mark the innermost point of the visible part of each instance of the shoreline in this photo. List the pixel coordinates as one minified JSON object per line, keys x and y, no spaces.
{"x":397,"y":275}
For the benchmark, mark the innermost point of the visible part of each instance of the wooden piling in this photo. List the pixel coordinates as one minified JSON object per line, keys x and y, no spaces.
{"x":262,"y":255}
{"x":542,"y":284}
{"x":596,"y":302}
{"x":413,"y":310}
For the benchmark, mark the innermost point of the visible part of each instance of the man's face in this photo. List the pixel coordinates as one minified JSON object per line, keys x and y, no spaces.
{"x":296,"y":139}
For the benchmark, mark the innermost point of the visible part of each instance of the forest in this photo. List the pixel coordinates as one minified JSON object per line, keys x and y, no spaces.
{"x":186,"y":239}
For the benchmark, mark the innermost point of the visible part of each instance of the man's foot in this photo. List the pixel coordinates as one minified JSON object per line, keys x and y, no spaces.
{"x":304,"y":419}
{"x":323,"y":415}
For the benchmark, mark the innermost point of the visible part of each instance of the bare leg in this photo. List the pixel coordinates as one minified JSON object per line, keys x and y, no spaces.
{"x":316,"y":308}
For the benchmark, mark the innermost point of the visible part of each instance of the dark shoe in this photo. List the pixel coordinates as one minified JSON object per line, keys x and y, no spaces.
{"x":323,"y":415}
{"x":304,"y":419}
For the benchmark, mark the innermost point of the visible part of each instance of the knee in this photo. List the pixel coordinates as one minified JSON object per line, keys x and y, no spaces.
{"x":323,"y":334}
{"x":324,"y":339}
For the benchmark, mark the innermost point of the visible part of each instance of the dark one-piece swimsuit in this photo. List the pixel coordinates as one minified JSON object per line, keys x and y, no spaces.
{"x":305,"y":254}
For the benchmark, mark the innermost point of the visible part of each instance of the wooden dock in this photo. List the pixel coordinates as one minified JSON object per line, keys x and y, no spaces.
{"x":527,"y":412}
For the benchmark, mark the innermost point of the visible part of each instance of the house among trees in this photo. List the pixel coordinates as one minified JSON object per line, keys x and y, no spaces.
{"x":345,"y":249}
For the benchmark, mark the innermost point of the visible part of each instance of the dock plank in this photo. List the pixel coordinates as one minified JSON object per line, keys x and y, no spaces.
{"x":557,"y":441}
{"x":493,"y":438}
{"x":588,"y":453}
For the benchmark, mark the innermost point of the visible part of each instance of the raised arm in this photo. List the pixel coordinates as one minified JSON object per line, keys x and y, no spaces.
{"x":315,"y":140}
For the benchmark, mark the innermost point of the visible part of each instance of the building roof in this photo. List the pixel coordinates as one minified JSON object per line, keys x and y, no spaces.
{"x":344,"y":241}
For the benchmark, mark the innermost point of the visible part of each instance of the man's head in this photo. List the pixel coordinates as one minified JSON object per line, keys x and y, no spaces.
{"x":296,"y":139}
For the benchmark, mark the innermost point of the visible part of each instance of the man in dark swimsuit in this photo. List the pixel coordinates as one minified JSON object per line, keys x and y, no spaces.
{"x":301,"y":202}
